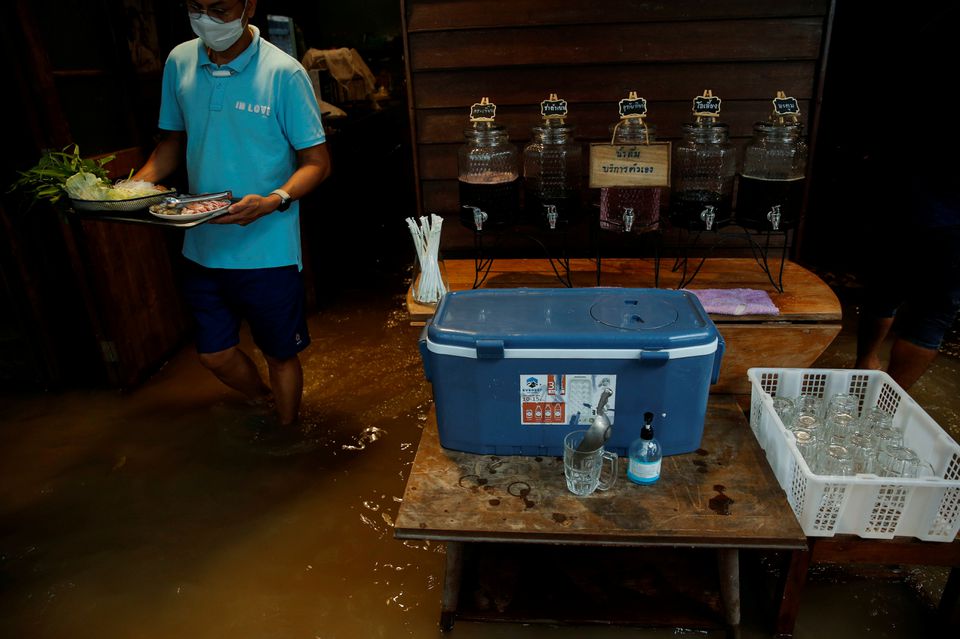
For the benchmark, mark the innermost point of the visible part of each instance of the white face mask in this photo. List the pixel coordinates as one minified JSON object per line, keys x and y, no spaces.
{"x":218,"y":36}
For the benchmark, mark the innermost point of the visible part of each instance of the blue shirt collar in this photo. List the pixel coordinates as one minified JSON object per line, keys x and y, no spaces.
{"x":240,"y":62}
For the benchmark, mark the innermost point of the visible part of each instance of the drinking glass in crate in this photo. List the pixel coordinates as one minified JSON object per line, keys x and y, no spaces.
{"x":911,"y":491}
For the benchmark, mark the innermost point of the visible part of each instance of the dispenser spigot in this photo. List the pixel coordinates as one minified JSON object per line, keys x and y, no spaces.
{"x":627,"y":219}
{"x":708,"y":215}
{"x":551,"y":214}
{"x":774,"y":217}
{"x":479,"y":216}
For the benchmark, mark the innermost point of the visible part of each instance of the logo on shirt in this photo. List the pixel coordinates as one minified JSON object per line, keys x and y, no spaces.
{"x":260,"y":109}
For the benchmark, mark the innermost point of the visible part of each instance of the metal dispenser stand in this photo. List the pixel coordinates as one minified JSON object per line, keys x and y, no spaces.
{"x":765,"y":253}
{"x":635,"y":237}
{"x":484,"y":254}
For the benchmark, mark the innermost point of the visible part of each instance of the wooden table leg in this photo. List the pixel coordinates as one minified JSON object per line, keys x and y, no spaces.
{"x":729,"y":563}
{"x":451,"y":585}
{"x":949,"y":609}
{"x":793,"y":579}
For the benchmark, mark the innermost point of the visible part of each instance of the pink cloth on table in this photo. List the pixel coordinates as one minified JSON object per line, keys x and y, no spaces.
{"x":736,"y":301}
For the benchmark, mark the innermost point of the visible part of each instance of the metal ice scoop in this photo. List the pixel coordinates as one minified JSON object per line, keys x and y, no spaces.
{"x":601,"y":429}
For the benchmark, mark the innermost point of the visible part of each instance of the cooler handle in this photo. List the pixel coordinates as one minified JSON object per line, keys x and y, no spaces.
{"x":717,"y":356}
{"x":655,"y":357}
{"x":489,"y":349}
{"x":424,"y":351}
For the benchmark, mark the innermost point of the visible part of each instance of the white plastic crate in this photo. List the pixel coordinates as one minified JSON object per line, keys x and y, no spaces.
{"x":865,"y":505}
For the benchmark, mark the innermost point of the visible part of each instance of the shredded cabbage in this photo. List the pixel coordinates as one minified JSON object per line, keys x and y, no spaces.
{"x":87,"y":186}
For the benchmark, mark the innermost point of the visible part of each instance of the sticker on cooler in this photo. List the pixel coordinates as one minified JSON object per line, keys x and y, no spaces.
{"x":564,"y":399}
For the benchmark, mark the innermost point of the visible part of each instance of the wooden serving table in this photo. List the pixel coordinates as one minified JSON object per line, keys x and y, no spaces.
{"x":849,"y":549}
{"x":721,"y":498}
{"x":808,"y":322}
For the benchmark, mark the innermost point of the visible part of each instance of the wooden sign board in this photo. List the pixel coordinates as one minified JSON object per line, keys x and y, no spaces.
{"x":629,"y":165}
{"x":633,"y":107}
{"x":483,"y":111}
{"x":553,"y":108}
{"x":706,"y":106}
{"x":786,"y":106}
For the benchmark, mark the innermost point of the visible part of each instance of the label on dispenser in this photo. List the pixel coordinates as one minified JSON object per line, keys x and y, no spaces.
{"x":483,"y":111}
{"x":786,"y":106}
{"x":706,"y":106}
{"x":565,"y":399}
{"x":629,"y":165}
{"x":633,"y":107}
{"x":553,"y":108}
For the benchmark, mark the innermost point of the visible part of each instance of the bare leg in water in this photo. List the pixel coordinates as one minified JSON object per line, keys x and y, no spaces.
{"x":286,"y":379}
{"x":235,"y":369}
{"x":908,"y":362}
{"x":871,"y":332}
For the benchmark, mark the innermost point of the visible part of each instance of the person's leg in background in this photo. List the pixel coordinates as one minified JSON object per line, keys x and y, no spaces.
{"x":925,"y":316}
{"x":886,"y":282}
{"x":871,"y":333}
{"x":206,"y":292}
{"x":286,"y":380}
{"x":275,"y":309}
{"x":908,"y":362}
{"x":271,"y":300}
{"x":928,"y":313}
{"x":234,"y":368}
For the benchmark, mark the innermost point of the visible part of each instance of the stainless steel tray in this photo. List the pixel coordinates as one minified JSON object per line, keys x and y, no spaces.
{"x":121,"y":206}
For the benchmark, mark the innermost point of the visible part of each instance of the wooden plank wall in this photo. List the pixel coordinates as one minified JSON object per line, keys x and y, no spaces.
{"x":592,"y":53}
{"x":140,"y":317}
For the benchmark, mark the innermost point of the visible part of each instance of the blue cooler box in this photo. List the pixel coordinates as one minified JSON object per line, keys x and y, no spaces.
{"x":515,"y":370}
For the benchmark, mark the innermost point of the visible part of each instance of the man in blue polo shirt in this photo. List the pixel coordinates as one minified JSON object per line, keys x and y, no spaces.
{"x":244,"y":114}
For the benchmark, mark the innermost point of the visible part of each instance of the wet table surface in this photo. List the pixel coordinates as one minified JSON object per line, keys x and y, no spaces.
{"x":722,"y":496}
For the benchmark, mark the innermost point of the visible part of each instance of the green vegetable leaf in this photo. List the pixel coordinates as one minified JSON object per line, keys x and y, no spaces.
{"x":47,"y":178}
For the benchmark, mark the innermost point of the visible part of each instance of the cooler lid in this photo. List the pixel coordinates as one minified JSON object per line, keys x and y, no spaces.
{"x":572,"y":319}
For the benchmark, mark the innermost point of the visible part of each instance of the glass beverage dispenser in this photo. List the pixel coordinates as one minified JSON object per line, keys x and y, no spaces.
{"x":552,"y":169}
{"x":489,"y":176}
{"x":630,"y":209}
{"x":770,"y":192}
{"x":704,"y":166}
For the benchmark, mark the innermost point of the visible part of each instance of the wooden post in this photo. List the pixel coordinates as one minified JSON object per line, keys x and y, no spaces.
{"x":728,"y":560}
{"x":794,"y":578}
{"x":451,"y":585}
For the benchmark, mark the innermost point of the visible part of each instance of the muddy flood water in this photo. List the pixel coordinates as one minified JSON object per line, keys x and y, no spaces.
{"x":160,"y":513}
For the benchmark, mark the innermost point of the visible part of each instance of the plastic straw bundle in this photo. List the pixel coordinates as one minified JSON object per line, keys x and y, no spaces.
{"x":429,"y":288}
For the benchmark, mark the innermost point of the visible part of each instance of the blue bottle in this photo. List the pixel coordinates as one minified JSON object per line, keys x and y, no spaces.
{"x":645,"y":455}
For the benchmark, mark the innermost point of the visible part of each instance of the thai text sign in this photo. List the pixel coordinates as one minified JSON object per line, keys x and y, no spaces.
{"x":629,"y":165}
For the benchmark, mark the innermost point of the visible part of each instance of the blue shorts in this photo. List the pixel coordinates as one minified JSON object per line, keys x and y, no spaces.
{"x":271,"y":300}
{"x":918,"y":284}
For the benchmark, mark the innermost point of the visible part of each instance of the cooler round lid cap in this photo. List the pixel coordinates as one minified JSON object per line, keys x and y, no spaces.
{"x":635,"y":313}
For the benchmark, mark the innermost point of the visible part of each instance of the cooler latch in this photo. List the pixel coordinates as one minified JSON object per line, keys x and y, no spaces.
{"x":489,"y":349}
{"x":655,"y":357}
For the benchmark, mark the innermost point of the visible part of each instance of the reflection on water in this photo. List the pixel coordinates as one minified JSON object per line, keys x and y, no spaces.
{"x":163,"y":513}
{"x":366,"y":436}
